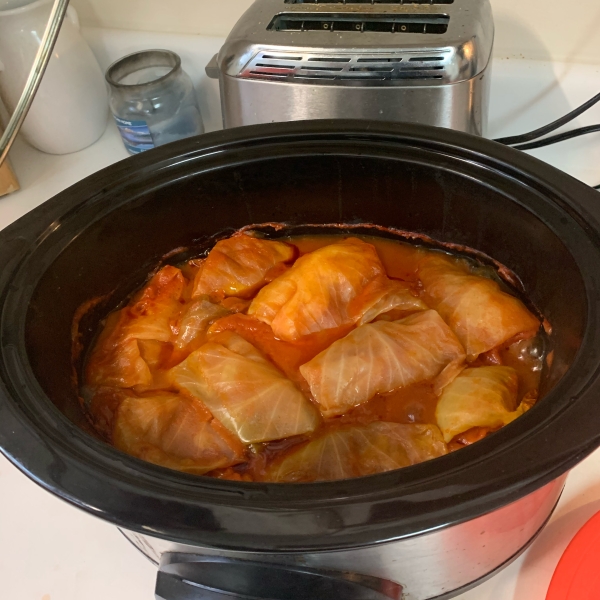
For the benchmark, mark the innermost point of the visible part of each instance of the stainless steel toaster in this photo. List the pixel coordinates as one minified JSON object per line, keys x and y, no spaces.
{"x":423,"y":61}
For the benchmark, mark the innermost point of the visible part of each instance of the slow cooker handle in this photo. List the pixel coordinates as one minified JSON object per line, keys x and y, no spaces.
{"x":198,"y":577}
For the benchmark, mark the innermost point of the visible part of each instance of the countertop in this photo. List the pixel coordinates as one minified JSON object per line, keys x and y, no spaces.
{"x":52,"y":551}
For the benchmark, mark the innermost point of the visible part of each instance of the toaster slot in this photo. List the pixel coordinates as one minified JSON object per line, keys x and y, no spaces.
{"x":360,"y":23}
{"x":329,"y":59}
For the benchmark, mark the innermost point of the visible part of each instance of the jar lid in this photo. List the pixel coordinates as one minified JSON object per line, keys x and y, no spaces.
{"x":154,"y":66}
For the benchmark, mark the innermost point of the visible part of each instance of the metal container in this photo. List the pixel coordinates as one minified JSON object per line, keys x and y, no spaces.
{"x":427,"y":531}
{"x":424,"y":62}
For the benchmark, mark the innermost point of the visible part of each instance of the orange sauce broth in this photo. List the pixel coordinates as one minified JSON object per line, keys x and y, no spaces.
{"x":412,"y":404}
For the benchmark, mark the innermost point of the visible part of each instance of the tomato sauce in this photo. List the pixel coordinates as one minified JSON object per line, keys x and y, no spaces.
{"x":413,"y":404}
{"x":287,"y":356}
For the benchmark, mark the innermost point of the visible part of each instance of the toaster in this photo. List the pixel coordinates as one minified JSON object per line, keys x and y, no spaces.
{"x":423,"y":61}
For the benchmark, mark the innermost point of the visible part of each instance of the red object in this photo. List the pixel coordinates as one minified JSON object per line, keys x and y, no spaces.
{"x":577,"y":576}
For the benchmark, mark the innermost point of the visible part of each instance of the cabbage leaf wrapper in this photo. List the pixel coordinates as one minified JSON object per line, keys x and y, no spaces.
{"x":117,"y":357}
{"x":240,"y":265}
{"x":479,"y":397}
{"x":245,"y":391}
{"x":174,"y":431}
{"x":381,"y":357}
{"x":383,"y":297}
{"x":195,"y":320}
{"x":481,"y":315}
{"x":286,"y":356}
{"x":359,"y":450}
{"x":315,"y":293}
{"x":102,"y":405}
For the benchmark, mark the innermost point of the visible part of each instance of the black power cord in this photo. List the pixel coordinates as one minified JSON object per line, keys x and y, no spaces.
{"x":561,"y":137}
{"x":526,"y":141}
{"x":546,"y":129}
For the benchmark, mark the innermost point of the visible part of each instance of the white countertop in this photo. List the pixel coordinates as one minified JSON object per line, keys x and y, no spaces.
{"x":51,"y":551}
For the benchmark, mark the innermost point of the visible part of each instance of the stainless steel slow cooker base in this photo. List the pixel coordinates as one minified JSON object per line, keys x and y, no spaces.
{"x":438,"y":565}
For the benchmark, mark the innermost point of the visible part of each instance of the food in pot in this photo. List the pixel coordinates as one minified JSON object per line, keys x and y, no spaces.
{"x":379,"y":357}
{"x":241,"y":265}
{"x":358,"y":450}
{"x":324,"y":289}
{"x":312,"y":358}
{"x":481,"y":397}
{"x":174,"y":431}
{"x":244,"y":391}
{"x":479,"y":314}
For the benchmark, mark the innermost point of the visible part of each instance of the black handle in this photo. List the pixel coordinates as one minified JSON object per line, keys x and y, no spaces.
{"x":197,"y":577}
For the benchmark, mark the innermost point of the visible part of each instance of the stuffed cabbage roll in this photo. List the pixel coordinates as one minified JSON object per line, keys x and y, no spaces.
{"x":241,"y":264}
{"x":154,"y":312}
{"x":481,"y":397}
{"x":481,"y":315}
{"x":381,"y":357}
{"x":286,"y":356}
{"x":195,"y":320}
{"x":386,"y":298}
{"x":245,"y":391}
{"x":315,"y":293}
{"x":116,"y":359}
{"x":117,"y":356}
{"x":102,"y":405}
{"x":359,"y":450}
{"x":174,"y":431}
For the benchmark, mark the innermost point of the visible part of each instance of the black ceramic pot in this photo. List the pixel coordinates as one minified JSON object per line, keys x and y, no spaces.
{"x":432,"y":528}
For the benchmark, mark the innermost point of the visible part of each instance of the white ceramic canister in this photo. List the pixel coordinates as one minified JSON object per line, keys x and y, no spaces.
{"x":70,"y":110}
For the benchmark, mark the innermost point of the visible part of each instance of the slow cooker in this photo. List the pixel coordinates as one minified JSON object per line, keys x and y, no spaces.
{"x":428,"y":531}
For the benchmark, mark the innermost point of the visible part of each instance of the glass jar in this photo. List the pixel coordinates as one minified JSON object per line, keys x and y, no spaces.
{"x":153,"y":100}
